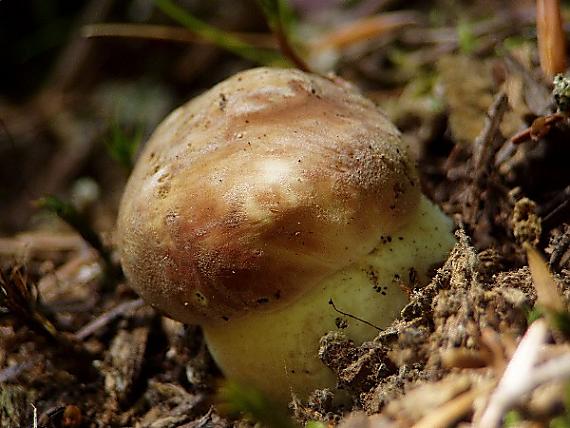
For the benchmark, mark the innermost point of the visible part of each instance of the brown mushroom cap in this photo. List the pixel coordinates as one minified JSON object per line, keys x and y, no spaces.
{"x":250,"y":194}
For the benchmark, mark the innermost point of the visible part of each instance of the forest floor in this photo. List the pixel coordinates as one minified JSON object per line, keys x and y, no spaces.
{"x":485,"y":343}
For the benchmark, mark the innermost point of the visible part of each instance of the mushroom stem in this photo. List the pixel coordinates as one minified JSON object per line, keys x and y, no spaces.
{"x":276,"y":350}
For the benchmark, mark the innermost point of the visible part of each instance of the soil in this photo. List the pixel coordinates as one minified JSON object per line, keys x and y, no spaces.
{"x":78,"y":348}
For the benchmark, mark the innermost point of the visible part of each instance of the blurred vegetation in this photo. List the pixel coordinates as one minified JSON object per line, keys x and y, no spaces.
{"x":31,"y":34}
{"x":220,"y":38}
{"x":236,"y":400}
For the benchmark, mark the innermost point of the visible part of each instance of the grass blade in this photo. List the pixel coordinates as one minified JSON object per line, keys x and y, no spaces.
{"x":218,"y":37}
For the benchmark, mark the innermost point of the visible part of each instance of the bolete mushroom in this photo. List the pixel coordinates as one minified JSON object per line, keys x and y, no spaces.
{"x":258,"y":203}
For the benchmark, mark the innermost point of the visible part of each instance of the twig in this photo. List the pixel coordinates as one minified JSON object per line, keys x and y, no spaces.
{"x":491,"y":340}
{"x":12,"y":372}
{"x":346,"y":314}
{"x":555,"y":369}
{"x":365,"y":29}
{"x":485,"y":145}
{"x":551,"y":37}
{"x":537,"y":96}
{"x":108,"y":317}
{"x":274,"y":11}
{"x":454,"y":409}
{"x":513,"y":385}
{"x":49,"y":415}
{"x":30,"y":244}
{"x":539,"y":128}
{"x":167,"y":33}
{"x":465,"y":358}
{"x":35,"y":416}
{"x":485,"y":148}
{"x":288,"y":51}
{"x":78,"y":271}
{"x":558,"y":210}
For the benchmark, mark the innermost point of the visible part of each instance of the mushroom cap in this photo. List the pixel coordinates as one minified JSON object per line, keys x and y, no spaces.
{"x":247,"y":196}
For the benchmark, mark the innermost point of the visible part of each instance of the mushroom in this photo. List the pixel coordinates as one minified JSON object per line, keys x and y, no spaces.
{"x":260,"y":202}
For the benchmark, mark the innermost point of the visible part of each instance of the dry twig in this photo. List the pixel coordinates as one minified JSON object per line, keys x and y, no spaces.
{"x":455,"y":409}
{"x":167,"y":33}
{"x":551,"y":37}
{"x":485,"y":148}
{"x":107,"y":317}
{"x":512,"y":385}
{"x":364,"y":29}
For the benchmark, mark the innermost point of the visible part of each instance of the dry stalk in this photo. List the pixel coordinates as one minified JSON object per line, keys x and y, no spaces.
{"x":551,"y":37}
{"x":454,"y":409}
{"x":512,"y":385}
